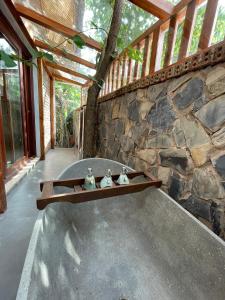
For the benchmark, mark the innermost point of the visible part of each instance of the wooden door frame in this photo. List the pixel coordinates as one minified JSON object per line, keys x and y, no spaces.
{"x":27,"y":105}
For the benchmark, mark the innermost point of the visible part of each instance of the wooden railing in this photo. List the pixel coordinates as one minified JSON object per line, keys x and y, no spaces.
{"x":157,"y":44}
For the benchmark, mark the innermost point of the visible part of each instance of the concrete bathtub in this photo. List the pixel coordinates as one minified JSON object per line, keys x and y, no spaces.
{"x":142,"y":246}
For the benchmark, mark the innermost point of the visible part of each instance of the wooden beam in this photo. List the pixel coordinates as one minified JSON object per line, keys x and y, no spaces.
{"x":66,"y":80}
{"x":54,"y":25}
{"x":160,"y":8}
{"x":47,"y":69}
{"x":60,"y":52}
{"x":16,"y":15}
{"x":188,"y":29}
{"x":208,"y":24}
{"x":41,"y":107}
{"x":66,"y":70}
{"x":171,"y":40}
{"x":52,"y":112}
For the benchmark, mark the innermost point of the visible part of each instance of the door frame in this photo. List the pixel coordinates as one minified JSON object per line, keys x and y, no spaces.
{"x":27,"y":102}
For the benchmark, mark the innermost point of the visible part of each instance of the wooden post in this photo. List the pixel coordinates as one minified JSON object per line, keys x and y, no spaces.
{"x":208,"y":24}
{"x":113,"y":75}
{"x":129,"y":71}
{"x":123,"y":69}
{"x":146,"y":55}
{"x":41,"y":107}
{"x":118,"y":74}
{"x":188,"y":29}
{"x":110,"y":79}
{"x":157,"y":46}
{"x":171,"y":40}
{"x":136,"y":64}
{"x":52,"y":112}
{"x":3,"y":203}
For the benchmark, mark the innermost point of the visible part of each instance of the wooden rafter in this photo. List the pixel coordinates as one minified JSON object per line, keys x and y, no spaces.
{"x":47,"y":69}
{"x":60,"y":52}
{"x":16,"y":15}
{"x":66,"y":70}
{"x":67,"y":80}
{"x":54,"y":25}
{"x":160,"y":8}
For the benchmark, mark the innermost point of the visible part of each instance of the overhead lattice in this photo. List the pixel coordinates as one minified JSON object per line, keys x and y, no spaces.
{"x":50,"y":22}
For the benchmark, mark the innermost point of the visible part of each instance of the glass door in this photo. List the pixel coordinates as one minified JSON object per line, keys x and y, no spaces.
{"x":10,"y":97}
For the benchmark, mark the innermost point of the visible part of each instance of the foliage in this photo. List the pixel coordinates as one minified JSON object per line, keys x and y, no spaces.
{"x":197,"y":29}
{"x":67,"y":100}
{"x":134,"y":22}
{"x":219,"y":26}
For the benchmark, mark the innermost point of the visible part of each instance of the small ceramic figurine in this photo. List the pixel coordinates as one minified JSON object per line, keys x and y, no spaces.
{"x":123,"y":179}
{"x":107,"y":180}
{"x":89,"y":183}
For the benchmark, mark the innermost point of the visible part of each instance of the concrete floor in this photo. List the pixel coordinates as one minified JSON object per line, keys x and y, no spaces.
{"x":17,"y":223}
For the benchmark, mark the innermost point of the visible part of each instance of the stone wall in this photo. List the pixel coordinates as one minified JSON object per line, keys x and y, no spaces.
{"x":177,"y":129}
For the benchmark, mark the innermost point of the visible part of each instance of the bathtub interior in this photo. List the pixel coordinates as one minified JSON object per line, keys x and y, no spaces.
{"x":141,"y":246}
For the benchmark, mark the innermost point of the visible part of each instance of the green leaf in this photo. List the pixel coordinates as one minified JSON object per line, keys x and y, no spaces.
{"x":48,"y":56}
{"x":8,"y":60}
{"x":78,"y":41}
{"x":135,"y":54}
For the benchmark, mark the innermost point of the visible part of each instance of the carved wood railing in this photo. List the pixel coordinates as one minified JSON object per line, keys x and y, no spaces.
{"x":157,"y":45}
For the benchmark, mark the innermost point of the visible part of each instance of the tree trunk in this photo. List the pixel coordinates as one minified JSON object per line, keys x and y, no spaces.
{"x":89,"y":148}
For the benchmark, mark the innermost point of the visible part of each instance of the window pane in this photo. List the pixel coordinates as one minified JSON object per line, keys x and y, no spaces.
{"x":11,"y":108}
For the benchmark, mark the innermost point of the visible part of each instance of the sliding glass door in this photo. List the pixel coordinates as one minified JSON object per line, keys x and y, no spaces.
{"x":10,"y":93}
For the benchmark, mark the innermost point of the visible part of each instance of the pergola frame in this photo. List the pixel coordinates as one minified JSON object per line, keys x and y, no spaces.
{"x":162,"y":9}
{"x":54,"y":26}
{"x":65,"y":70}
{"x":66,"y":80}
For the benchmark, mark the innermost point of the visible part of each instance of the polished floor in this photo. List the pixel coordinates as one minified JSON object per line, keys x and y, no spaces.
{"x":16,"y":224}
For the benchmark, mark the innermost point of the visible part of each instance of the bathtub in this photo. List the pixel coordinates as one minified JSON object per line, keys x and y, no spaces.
{"x":141,"y":246}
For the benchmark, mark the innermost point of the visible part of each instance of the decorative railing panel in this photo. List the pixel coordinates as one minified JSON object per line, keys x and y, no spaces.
{"x":170,"y":47}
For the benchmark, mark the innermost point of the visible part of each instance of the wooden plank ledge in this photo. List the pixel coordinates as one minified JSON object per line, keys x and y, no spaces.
{"x":79,"y":195}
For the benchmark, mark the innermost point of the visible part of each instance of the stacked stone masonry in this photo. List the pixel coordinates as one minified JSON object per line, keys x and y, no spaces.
{"x":177,"y":130}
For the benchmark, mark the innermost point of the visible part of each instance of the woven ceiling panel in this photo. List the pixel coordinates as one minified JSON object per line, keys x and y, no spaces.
{"x":62,"y":11}
{"x":48,"y":36}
